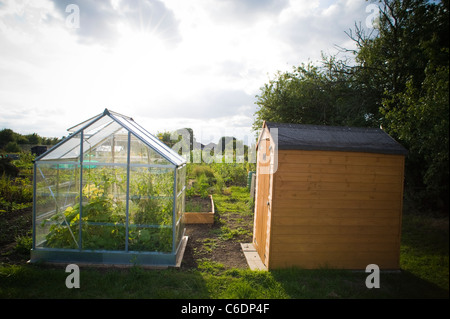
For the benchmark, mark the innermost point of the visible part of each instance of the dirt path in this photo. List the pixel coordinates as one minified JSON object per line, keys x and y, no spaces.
{"x":206,"y":244}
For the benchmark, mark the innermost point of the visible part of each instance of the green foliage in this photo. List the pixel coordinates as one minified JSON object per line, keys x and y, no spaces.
{"x":421,"y":120}
{"x":6,"y":136}
{"x":234,"y":199}
{"x":248,"y":284}
{"x":413,"y":80}
{"x":103,"y":213}
{"x":23,"y":244}
{"x":203,"y":170}
{"x":15,"y":193}
{"x":12,"y":166}
{"x":200,"y":187}
{"x":314,"y":95}
{"x":210,"y":267}
{"x":25,"y":162}
{"x":7,"y":167}
{"x":215,"y":177}
{"x":10,"y":141}
{"x":410,"y":33}
{"x":425,"y":247}
{"x":226,"y":233}
{"x":193,"y":207}
{"x":165,"y":137}
{"x":232,"y":173}
{"x":12,"y":147}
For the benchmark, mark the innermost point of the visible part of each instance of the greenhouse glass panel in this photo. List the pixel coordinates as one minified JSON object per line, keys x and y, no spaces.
{"x":142,"y":154}
{"x":67,"y":149}
{"x":157,"y":145}
{"x":109,"y":193}
{"x":103,"y":213}
{"x":179,"y":228}
{"x":107,"y":146}
{"x":151,"y":209}
{"x":57,"y":191}
{"x":180,"y":200}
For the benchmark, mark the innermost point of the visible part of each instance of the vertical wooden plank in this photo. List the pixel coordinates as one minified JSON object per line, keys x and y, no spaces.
{"x":341,"y":185}
{"x":261,"y":209}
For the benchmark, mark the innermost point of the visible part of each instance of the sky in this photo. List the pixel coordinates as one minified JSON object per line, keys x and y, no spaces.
{"x":167,"y":64}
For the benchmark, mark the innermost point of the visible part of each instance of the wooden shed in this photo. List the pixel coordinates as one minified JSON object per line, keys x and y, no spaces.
{"x":328,"y":197}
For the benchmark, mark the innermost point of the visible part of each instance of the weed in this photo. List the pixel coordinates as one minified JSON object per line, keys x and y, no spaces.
{"x":203,"y":170}
{"x":200,"y":187}
{"x":211,"y":267}
{"x":226,"y":233}
{"x":23,"y":244}
{"x":193,"y":207}
{"x":15,"y":193}
{"x":209,"y":244}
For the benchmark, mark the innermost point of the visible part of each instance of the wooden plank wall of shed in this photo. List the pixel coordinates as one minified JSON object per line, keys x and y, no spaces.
{"x":336,"y":209}
{"x":264,"y":183}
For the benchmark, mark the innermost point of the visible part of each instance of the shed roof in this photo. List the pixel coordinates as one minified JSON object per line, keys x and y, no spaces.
{"x":334,"y":138}
{"x":99,"y":127}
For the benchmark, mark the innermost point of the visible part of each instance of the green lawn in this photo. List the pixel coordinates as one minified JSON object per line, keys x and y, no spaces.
{"x":424,"y":263}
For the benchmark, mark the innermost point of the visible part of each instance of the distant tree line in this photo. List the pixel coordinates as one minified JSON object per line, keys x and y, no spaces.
{"x":184,"y":141}
{"x":396,"y":78}
{"x":11,"y":141}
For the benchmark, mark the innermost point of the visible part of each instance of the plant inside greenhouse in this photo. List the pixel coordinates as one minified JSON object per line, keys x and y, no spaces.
{"x":109,"y":193}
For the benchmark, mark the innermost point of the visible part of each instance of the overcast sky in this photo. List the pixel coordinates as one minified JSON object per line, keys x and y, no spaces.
{"x":168,"y":64}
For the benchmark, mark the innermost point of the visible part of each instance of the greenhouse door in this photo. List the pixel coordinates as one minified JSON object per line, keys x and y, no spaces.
{"x":263,"y":179}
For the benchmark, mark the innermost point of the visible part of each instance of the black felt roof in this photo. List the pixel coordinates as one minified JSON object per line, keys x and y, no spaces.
{"x":334,"y":138}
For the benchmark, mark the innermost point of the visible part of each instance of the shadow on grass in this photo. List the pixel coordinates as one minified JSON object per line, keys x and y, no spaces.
{"x":41,"y":281}
{"x":347,"y":284}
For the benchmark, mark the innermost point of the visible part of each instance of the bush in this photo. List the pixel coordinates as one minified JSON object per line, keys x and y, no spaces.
{"x":233,"y":174}
{"x":23,"y":245}
{"x":15,"y":193}
{"x":215,"y":177}
{"x":203,"y":170}
{"x":200,"y":187}
{"x":12,"y":147}
{"x":8,"y":168}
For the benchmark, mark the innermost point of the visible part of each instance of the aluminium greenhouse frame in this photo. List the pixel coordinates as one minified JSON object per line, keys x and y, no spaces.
{"x":70,"y":155}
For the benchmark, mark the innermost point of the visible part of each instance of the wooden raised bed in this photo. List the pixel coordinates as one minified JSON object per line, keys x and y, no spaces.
{"x":206,"y":217}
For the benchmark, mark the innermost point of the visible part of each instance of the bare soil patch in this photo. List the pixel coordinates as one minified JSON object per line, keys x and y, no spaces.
{"x":219,"y":242}
{"x":198,"y":204}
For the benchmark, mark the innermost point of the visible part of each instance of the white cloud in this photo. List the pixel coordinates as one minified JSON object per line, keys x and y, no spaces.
{"x":167,"y":64}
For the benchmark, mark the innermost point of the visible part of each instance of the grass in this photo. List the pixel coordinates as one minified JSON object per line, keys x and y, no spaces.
{"x":193,"y":207}
{"x":425,"y":247}
{"x":234,"y":199}
{"x":209,"y":281}
{"x":424,"y":263}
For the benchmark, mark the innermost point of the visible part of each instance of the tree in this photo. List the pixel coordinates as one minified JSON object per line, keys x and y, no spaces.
{"x":326,"y":95}
{"x":34,"y":139}
{"x":421,"y":121}
{"x":408,"y":65}
{"x":12,"y":147}
{"x":6,"y":136}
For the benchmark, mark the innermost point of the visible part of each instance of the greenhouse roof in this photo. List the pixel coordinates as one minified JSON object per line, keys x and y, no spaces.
{"x":98,"y":128}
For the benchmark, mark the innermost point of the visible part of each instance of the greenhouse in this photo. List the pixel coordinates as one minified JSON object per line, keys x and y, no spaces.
{"x":109,"y":193}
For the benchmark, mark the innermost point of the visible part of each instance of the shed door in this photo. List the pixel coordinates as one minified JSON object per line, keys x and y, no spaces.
{"x":263,"y":178}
